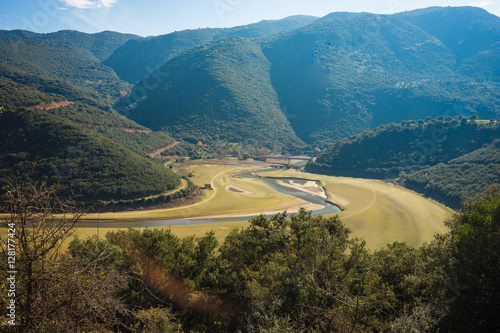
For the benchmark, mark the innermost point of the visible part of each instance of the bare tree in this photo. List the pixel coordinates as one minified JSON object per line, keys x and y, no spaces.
{"x":54,"y":292}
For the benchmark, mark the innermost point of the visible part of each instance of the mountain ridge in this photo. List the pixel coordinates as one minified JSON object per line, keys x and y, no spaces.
{"x":100,"y":45}
{"x":151,"y":52}
{"x":234,"y":100}
{"x":337,"y":77}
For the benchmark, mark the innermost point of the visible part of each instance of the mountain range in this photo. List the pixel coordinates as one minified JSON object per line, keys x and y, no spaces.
{"x":296,"y":83}
{"x":341,"y":74}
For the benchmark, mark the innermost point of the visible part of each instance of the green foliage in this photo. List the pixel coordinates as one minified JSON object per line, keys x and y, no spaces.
{"x":452,"y":26}
{"x":221,"y":91}
{"x":61,"y":62}
{"x":461,"y":177}
{"x":150,"y":53}
{"x":333,"y":78}
{"x":139,"y":142}
{"x":305,"y":274}
{"x":14,"y":95}
{"x":108,"y":123}
{"x":444,"y":159}
{"x":408,"y":145}
{"x":340,"y":76}
{"x":475,"y":235}
{"x":100,"y":45}
{"x":48,"y":86}
{"x":157,"y":320}
{"x":55,"y":150}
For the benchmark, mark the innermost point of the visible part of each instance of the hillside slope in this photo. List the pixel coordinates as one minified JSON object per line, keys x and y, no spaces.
{"x":137,"y":58}
{"x":455,"y":157}
{"x":466,"y":31}
{"x":340,"y":76}
{"x":218,"y":91}
{"x":462,"y":177}
{"x":61,"y":62}
{"x":52,"y":149}
{"x":99,"y":45}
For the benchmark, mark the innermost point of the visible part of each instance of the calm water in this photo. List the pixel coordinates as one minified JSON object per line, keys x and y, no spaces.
{"x":272,"y":182}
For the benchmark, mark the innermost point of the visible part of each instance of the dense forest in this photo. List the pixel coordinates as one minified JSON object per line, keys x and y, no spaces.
{"x":301,"y":273}
{"x":427,"y":154}
{"x":52,"y":149}
{"x":335,"y":77}
{"x":100,"y":45}
{"x":149,"y":53}
{"x":235,"y":66}
{"x":461,"y":177}
{"x":57,"y":124}
{"x":312,"y":81}
{"x":62,"y":62}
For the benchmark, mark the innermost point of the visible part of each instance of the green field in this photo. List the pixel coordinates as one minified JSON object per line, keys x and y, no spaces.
{"x":379,"y":212}
{"x":218,"y":202}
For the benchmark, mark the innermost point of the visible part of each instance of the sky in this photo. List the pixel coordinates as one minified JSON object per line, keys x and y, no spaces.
{"x":157,"y":17}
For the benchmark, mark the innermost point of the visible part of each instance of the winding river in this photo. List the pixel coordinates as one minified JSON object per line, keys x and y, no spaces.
{"x":275,"y":183}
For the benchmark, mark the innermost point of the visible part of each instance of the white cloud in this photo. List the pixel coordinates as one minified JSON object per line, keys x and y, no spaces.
{"x":89,"y":4}
{"x":483,"y":3}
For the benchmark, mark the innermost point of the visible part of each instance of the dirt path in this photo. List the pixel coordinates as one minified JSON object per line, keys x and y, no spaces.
{"x":49,"y":106}
{"x":155,"y":152}
{"x":214,"y":192}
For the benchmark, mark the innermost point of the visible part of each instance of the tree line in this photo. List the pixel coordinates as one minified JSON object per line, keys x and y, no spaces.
{"x":300,"y":273}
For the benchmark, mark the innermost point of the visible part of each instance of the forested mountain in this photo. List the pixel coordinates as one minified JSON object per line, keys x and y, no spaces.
{"x":296,"y":83}
{"x":359,"y":71}
{"x":100,"y":45}
{"x":137,"y":58}
{"x":347,"y":73}
{"x":15,"y":96}
{"x":49,"y":148}
{"x":466,"y":31}
{"x":58,"y":127}
{"x":461,"y":177}
{"x":472,"y":34}
{"x":61,"y":62}
{"x":448,"y":160}
{"x":221,"y":91}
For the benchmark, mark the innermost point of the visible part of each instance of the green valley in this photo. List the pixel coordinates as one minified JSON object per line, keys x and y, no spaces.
{"x":306,"y":174}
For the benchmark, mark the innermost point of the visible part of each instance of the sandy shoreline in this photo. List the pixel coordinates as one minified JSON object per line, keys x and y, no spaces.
{"x":311,"y":187}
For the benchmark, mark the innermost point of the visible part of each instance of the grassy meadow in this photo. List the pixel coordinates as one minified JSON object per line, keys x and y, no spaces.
{"x":379,"y":212}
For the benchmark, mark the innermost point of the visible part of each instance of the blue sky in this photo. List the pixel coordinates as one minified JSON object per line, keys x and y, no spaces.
{"x":155,"y":17}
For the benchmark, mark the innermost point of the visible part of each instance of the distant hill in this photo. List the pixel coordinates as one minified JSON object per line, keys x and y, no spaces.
{"x":291,"y":84}
{"x":109,"y":123}
{"x":137,"y":58}
{"x":422,"y":153}
{"x":462,"y":177}
{"x":466,"y":31}
{"x":220,"y":91}
{"x":339,"y":75}
{"x":59,"y":127}
{"x":52,"y":149}
{"x":99,"y":45}
{"x":60,"y":62}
